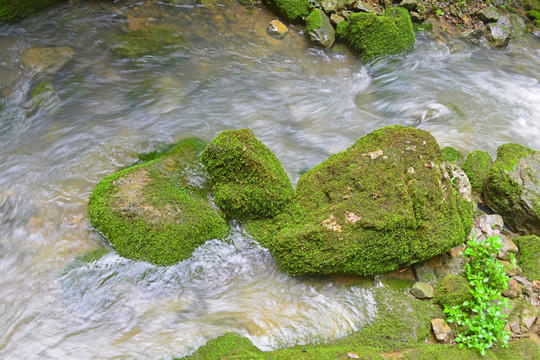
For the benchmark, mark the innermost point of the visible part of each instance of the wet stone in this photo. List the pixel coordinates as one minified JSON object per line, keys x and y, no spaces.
{"x":489,"y":14}
{"x":508,"y":248}
{"x":277,"y":28}
{"x":441,"y":330}
{"x":422,"y":290}
{"x":498,"y":35}
{"x":424,"y":272}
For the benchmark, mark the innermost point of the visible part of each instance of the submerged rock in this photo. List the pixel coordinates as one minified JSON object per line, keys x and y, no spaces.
{"x":248,"y":180}
{"x":277,"y":28}
{"x":154,"y":40}
{"x":375,"y":36}
{"x":319,"y":28}
{"x":47,"y":59}
{"x":385,"y":202}
{"x":513,"y":188}
{"x":158,"y":211}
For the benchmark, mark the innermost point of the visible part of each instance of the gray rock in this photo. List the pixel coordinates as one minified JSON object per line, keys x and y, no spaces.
{"x":46,"y":60}
{"x":360,"y":6}
{"x":441,"y":330}
{"x":422,"y":290}
{"x":509,"y":269}
{"x":513,"y":291}
{"x":416,"y":17}
{"x":410,"y":5}
{"x":336,"y":19}
{"x":424,"y":273}
{"x":451,"y":266}
{"x":498,"y":35}
{"x":332,"y":6}
{"x":489,"y":14}
{"x":325,"y":34}
{"x":508,"y":248}
{"x":489,"y":224}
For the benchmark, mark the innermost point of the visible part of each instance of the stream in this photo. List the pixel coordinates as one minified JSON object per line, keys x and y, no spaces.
{"x":303,"y":102}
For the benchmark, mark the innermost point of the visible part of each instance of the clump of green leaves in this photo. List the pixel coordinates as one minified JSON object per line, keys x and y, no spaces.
{"x":481,"y":321}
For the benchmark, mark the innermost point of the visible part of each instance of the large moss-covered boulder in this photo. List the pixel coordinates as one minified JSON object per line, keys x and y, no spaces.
{"x":375,"y":36}
{"x":248,"y":180}
{"x":158,"y":211}
{"x":293,"y":11}
{"x":13,"y":10}
{"x":476,"y":166}
{"x":387,"y":201}
{"x":513,"y":188}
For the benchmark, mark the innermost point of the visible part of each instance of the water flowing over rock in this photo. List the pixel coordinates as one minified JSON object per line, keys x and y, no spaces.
{"x":47,"y":59}
{"x":386,"y":201}
{"x":158,"y":211}
{"x":513,"y":188}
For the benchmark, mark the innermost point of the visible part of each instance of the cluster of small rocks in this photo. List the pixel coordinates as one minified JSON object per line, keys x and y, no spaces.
{"x":524,"y":294}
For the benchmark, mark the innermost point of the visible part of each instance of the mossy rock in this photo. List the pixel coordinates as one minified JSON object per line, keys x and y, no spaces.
{"x":529,"y":255}
{"x":158,"y":211}
{"x":513,"y":188}
{"x":293,"y":11}
{"x":477,"y":166}
{"x":228,"y":346}
{"x":248,"y":180}
{"x":450,"y":154}
{"x":534,"y":15}
{"x":387,"y":201}
{"x":452,"y":290}
{"x":13,"y":10}
{"x":156,"y":40}
{"x":375,"y":36}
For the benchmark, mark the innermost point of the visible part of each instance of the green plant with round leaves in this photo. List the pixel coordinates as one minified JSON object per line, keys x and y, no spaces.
{"x":480,"y":322}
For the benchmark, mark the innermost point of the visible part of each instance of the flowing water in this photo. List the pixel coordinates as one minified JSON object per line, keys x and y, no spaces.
{"x":302,"y":102}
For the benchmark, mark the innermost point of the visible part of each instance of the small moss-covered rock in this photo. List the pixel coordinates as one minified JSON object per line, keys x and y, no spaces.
{"x":320,"y":31}
{"x":452,"y":290}
{"x":513,"y":188}
{"x":476,"y":166}
{"x":293,"y":11}
{"x":385,"y":202}
{"x":529,"y":255}
{"x":450,"y":154}
{"x":158,"y":211}
{"x":155,"y":40}
{"x":375,"y":36}
{"x":248,"y":180}
{"x":13,"y":10}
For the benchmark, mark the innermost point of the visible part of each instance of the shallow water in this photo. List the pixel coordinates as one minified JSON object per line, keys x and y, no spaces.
{"x":302,"y":102}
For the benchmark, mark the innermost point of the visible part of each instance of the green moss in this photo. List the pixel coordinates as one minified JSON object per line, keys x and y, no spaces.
{"x":501,"y":192}
{"x":452,"y":290}
{"x":248,"y":180}
{"x":375,"y":36}
{"x":293,"y":11}
{"x":158,"y":211}
{"x":535,"y":16}
{"x":381,"y":204}
{"x":529,"y":255}
{"x":228,"y":346}
{"x":156,"y":40}
{"x":342,"y":31}
{"x":477,"y":166}
{"x":13,"y":10}
{"x":532,"y":4}
{"x":42,"y":92}
{"x":314,"y":20}
{"x":450,"y":154}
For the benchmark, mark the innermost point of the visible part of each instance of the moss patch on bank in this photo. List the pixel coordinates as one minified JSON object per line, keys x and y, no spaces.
{"x":13,"y":10}
{"x":529,"y":255}
{"x":158,"y":211}
{"x":249,"y":182}
{"x":293,"y":11}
